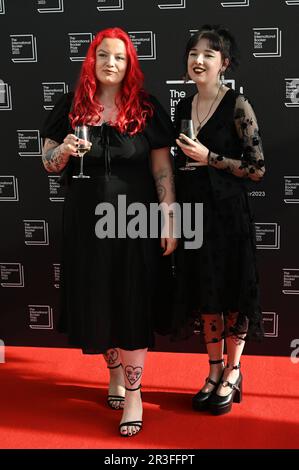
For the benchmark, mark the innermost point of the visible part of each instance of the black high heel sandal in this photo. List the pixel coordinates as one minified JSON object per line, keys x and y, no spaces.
{"x":115,"y":398}
{"x":200,"y":401}
{"x":138,"y":424}
{"x":220,"y":405}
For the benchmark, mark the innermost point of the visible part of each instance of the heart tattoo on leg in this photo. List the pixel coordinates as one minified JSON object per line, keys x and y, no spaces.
{"x":133,"y":373}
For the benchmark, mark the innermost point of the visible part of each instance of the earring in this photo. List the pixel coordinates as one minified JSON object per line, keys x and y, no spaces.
{"x":222,"y":78}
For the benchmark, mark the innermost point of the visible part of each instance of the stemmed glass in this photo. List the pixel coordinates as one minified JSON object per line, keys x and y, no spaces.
{"x":186,"y":127}
{"x":82,"y":133}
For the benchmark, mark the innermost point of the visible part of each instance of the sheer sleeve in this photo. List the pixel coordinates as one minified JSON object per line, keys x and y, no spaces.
{"x":252,"y":164}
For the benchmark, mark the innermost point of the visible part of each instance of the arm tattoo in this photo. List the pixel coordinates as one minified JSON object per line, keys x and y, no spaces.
{"x":53,"y":159}
{"x":161,"y":189}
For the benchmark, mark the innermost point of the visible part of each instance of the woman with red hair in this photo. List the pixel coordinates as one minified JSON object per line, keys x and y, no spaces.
{"x":110,"y":283}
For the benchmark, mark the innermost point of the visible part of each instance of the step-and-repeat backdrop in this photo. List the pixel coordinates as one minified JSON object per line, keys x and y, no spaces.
{"x":43,"y":44}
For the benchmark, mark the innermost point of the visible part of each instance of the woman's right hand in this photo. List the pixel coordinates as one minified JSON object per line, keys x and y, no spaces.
{"x":70,"y":145}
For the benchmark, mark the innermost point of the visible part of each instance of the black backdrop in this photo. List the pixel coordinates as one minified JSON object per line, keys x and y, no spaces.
{"x":42,"y":45}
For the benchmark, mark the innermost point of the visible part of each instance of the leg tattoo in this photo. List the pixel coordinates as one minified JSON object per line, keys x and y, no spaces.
{"x":133,"y":374}
{"x":111,"y":357}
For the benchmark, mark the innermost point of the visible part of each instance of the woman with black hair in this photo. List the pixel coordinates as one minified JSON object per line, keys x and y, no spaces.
{"x":218,"y":282}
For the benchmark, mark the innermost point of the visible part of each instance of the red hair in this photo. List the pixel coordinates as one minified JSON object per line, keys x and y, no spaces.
{"x":134,"y":105}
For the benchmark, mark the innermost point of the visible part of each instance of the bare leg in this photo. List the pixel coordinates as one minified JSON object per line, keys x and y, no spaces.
{"x":235,"y":344}
{"x":213,"y":327}
{"x":117,"y":380}
{"x":133,"y":365}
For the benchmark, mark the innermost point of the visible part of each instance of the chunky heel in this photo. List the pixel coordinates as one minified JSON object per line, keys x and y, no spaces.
{"x":239,"y":394}
{"x":220,"y":405}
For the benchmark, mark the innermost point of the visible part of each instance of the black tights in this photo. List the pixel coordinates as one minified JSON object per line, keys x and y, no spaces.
{"x":217,"y":327}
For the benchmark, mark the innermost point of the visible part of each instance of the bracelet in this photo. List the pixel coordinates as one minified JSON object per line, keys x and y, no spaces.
{"x":208,"y":157}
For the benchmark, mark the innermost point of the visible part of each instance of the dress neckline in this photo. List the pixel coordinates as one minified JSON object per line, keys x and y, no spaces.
{"x":216,"y":110}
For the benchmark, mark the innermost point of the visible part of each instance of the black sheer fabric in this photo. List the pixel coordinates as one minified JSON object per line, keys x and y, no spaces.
{"x":110,"y":288}
{"x":251,"y":164}
{"x":221,"y":277}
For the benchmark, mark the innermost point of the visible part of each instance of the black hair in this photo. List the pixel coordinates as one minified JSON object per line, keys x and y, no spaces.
{"x":220,"y":39}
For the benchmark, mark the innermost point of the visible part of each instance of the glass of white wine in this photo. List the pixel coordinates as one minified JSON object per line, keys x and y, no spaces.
{"x":82,"y":133}
{"x":186,"y":127}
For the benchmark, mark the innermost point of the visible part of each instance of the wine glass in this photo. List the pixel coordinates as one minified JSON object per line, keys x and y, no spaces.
{"x":186,"y":127}
{"x":82,"y":133}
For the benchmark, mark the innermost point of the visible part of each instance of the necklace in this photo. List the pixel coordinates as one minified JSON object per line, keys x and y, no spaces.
{"x":197,"y":107}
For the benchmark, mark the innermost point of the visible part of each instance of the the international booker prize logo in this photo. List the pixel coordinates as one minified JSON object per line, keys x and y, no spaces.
{"x":29,"y":143}
{"x":290,"y":281}
{"x":291,"y":189}
{"x":79,"y":44}
{"x":267,"y":42}
{"x":178,"y":89}
{"x":110,"y":5}
{"x":40,"y":317}
{"x":5,"y":96}
{"x":244,"y":3}
{"x":292,"y":92}
{"x":52,"y":91}
{"x":9,"y":189}
{"x":144,"y":43}
{"x":36,"y":232}
{"x":56,"y":275}
{"x":56,"y":190}
{"x":171,"y":4}
{"x":23,"y":48}
{"x":267,"y":235}
{"x":270,"y":323}
{"x":12,"y":275}
{"x":50,"y":6}
{"x":2,"y":7}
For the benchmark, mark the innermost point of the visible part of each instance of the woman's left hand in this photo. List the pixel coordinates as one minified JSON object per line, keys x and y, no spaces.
{"x":194,"y":149}
{"x":168,"y":245}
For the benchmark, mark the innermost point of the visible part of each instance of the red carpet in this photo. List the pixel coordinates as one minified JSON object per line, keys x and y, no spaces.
{"x":55,"y":398}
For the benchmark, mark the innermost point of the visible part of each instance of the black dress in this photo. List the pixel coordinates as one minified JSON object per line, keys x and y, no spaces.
{"x":110,"y":287}
{"x":221,"y":276}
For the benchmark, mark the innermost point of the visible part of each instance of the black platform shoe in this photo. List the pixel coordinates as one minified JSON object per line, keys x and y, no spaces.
{"x":200,"y":401}
{"x":220,"y":405}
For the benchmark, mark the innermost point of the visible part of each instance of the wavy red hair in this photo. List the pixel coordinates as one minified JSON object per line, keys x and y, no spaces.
{"x":134,"y":104}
